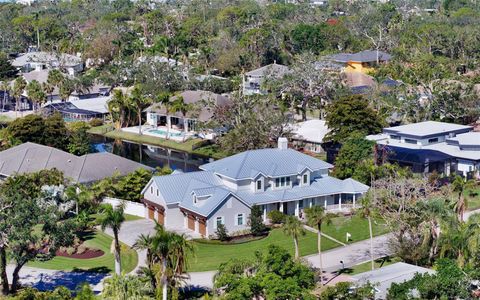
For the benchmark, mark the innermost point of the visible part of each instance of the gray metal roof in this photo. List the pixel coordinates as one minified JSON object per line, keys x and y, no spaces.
{"x":362,"y":56}
{"x":465,"y":139}
{"x":179,"y":188}
{"x":427,"y":129}
{"x":384,"y":277}
{"x":274,"y":69}
{"x":31,"y":157}
{"x":269,"y":162}
{"x":50,"y":58}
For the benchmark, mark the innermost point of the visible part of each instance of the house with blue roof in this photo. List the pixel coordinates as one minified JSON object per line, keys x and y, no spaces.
{"x":224,"y":191}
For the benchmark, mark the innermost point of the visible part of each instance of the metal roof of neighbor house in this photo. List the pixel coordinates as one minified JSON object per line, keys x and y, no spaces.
{"x":362,"y":56}
{"x":465,"y":139}
{"x":427,"y":129}
{"x":51,"y":58}
{"x":274,"y":69}
{"x":272,"y":162}
{"x":31,"y":157}
{"x":311,"y":131}
{"x":385,"y":276}
{"x":97,"y":104}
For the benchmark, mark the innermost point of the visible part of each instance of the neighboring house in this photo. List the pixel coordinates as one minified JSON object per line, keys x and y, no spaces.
{"x":80,"y":110}
{"x":309,"y":135}
{"x":433,"y":146}
{"x":225,"y":190}
{"x":364,"y":61}
{"x":202,"y":105}
{"x":31,"y":157}
{"x":253,"y":80}
{"x":37,"y":61}
{"x":383,"y":278}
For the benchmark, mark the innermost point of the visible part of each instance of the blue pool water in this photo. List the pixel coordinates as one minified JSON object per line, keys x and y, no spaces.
{"x":164,"y":132}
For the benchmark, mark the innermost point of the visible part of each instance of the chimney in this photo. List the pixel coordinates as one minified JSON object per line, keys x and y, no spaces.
{"x":282,"y":143}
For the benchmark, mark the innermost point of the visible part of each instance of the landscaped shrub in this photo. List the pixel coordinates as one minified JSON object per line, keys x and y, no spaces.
{"x":222,"y":233}
{"x":255,"y":221}
{"x":81,"y":249}
{"x":96,"y":122}
{"x":276,"y":217}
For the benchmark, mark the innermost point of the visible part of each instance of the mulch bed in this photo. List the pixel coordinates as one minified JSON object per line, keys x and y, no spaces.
{"x":89,"y":253}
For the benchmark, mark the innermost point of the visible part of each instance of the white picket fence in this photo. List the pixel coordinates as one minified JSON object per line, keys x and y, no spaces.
{"x":131,"y":208}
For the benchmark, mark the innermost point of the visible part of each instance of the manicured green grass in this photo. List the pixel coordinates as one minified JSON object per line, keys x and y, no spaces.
{"x":104,"y":263}
{"x":132,"y":218}
{"x":101,"y":129}
{"x":366,"y":266}
{"x":210,"y":256}
{"x":213,"y":151}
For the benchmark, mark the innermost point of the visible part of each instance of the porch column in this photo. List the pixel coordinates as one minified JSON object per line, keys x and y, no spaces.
{"x":185,"y":125}
{"x":340,"y":201}
{"x":354,"y":199}
{"x":311,"y":202}
{"x":297,"y":208}
{"x":197,"y":226}
{"x":265,"y":212}
{"x":169,"y":122}
{"x":185,"y":220}
{"x":282,"y":207}
{"x":325,"y":202}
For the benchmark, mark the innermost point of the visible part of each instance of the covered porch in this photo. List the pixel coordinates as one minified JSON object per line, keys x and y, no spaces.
{"x":338,"y":203}
{"x":171,"y":122}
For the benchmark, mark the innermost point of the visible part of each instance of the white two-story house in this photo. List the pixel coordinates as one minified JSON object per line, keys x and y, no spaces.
{"x":224,"y":191}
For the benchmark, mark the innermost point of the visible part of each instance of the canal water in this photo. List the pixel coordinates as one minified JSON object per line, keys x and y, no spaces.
{"x":152,"y":156}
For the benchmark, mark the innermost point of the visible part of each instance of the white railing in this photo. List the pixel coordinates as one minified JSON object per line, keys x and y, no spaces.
{"x":131,"y":208}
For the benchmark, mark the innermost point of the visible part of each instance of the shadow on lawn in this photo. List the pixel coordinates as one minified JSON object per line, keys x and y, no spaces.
{"x":86,"y":235}
{"x":70,"y":280}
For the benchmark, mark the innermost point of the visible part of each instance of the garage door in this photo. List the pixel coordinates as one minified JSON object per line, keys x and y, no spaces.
{"x":202,"y":227}
{"x":151,"y":213}
{"x":191,"y":222}
{"x":161,"y":217}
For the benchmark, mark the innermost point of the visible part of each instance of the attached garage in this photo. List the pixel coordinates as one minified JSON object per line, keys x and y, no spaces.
{"x":161,"y":216}
{"x":202,"y":227}
{"x":191,"y":222}
{"x":151,"y":213}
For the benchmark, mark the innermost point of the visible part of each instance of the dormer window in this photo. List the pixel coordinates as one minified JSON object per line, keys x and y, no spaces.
{"x":259,"y":185}
{"x":195,"y":200}
{"x":282,"y":181}
{"x":305,"y":178}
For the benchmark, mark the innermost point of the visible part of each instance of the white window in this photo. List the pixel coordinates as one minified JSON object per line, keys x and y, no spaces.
{"x":157,"y":192}
{"x":259,"y":185}
{"x":277,"y":182}
{"x":239,"y":220}
{"x":218,"y":221}
{"x":151,"y":190}
{"x":282,"y":181}
{"x":305,"y":178}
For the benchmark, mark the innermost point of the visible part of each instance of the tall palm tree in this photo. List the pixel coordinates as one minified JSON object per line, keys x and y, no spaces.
{"x":367,"y":210}
{"x":35,"y":93}
{"x":113,"y":219}
{"x":172,"y":251}
{"x":294,"y":228}
{"x":317,"y":217}
{"x":435,"y":213}
{"x":118,"y":107}
{"x":460,"y":186}
{"x":18,"y":88}
{"x":140,"y":102}
{"x":144,"y":242}
{"x":5,"y":87}
{"x":54,"y":79}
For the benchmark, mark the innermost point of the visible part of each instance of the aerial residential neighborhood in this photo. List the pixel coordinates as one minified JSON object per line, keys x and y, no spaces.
{"x":244,"y":149}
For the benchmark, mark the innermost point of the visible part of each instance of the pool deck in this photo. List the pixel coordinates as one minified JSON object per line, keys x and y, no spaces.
{"x":175,"y":135}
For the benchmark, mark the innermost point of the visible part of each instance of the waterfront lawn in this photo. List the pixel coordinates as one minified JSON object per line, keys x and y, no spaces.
{"x":104,"y":263}
{"x":210,"y":254}
{"x":186,"y":146}
{"x":213,"y":151}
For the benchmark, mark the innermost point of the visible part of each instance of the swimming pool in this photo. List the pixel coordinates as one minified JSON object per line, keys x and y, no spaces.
{"x":164,"y":132}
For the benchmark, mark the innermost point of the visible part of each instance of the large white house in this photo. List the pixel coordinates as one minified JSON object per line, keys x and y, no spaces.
{"x":433,"y":146}
{"x":224,"y":191}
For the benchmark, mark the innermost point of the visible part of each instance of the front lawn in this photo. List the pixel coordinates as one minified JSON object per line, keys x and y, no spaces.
{"x":210,"y":255}
{"x":104,"y":263}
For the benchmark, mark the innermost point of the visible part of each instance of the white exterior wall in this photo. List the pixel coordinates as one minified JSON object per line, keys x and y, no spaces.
{"x":229,"y":213}
{"x":131,"y":208}
{"x":152,"y":196}
{"x":174,"y":217}
{"x":465,"y":166}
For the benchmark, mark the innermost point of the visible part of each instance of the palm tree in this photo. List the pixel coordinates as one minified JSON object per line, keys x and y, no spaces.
{"x":460,"y":186}
{"x":316,"y":217}
{"x":434,"y":212}
{"x":140,"y":102}
{"x":113,"y":219}
{"x":18,"y":88}
{"x":35,"y":93}
{"x":117,"y":107}
{"x":5,"y":87}
{"x":294,"y":228}
{"x":144,"y":242}
{"x":54,"y":79}
{"x":172,"y":251}
{"x":66,"y":88}
{"x":367,"y":210}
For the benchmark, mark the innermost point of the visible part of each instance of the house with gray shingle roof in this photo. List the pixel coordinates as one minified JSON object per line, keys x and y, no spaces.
{"x":253,"y":80}
{"x":224,"y":191}
{"x":31,"y":157}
